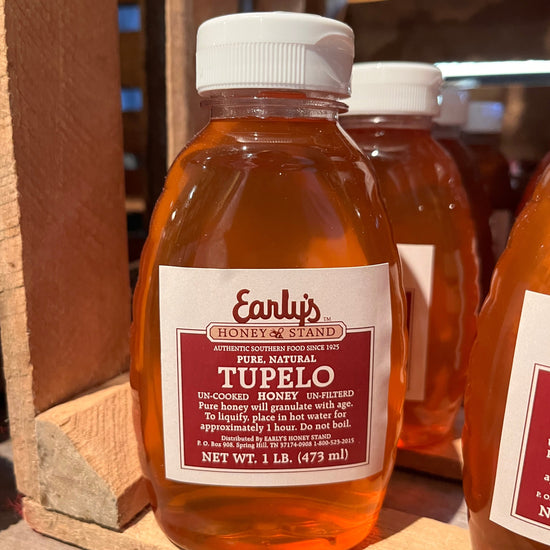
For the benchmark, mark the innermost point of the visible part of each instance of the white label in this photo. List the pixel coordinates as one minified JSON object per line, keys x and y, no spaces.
{"x":274,"y":377}
{"x":417,"y":261}
{"x":521,"y":498}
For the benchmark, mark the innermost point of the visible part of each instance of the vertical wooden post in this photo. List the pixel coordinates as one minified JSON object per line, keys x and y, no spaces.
{"x":184,"y":116}
{"x":64,"y":291}
{"x":155,"y":65}
{"x":181,"y":97}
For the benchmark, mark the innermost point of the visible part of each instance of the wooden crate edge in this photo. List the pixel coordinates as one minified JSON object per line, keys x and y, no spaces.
{"x":92,"y":437}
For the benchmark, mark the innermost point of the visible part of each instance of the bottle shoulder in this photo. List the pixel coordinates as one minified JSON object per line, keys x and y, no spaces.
{"x":312,"y":134}
{"x":417,"y":171}
{"x":250,"y":149}
{"x":407,"y":149}
{"x":229,"y":197}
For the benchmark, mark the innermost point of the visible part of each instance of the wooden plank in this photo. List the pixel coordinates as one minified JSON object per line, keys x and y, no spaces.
{"x":135,"y":133}
{"x":398,"y":530}
{"x":394,"y":531}
{"x":132,"y":59}
{"x":135,"y":181}
{"x":77,"y":443}
{"x":184,"y":116}
{"x":143,"y":534}
{"x":174,"y":112}
{"x":181,"y":96}
{"x":155,"y":62}
{"x":442,"y":459}
{"x":13,"y":301}
{"x":20,"y":536}
{"x":64,"y":290}
{"x":427,"y":496}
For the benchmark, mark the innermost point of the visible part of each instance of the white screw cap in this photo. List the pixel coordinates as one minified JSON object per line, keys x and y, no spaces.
{"x":454,"y":107}
{"x":401,"y":88}
{"x":484,"y":117}
{"x":294,"y":51}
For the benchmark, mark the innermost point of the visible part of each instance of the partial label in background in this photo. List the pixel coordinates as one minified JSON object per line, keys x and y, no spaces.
{"x":274,"y":377}
{"x":521,"y":498}
{"x":417,"y":261}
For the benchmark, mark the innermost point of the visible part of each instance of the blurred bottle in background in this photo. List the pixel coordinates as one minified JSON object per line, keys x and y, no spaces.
{"x":533,"y":180}
{"x":390,"y":117}
{"x":447,"y":131}
{"x":482,"y":134}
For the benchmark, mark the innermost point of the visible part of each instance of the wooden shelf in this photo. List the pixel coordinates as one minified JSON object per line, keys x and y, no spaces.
{"x":394,"y":531}
{"x":443,"y":459}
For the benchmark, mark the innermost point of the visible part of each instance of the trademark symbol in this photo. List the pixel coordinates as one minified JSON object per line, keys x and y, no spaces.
{"x":327,"y":318}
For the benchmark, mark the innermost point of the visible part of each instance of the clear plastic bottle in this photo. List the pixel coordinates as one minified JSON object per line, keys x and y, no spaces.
{"x":447,"y":131}
{"x":390,"y":118}
{"x":482,"y":134}
{"x":506,"y":438}
{"x":533,"y":181}
{"x":269,"y":286}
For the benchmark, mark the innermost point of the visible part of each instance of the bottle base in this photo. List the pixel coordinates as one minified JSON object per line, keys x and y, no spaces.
{"x":277,"y":526}
{"x":275,"y":542}
{"x":423,"y":428}
{"x":487,"y":535}
{"x":419,"y":437}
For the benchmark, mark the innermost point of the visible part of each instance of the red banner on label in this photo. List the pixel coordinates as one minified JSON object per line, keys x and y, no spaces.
{"x":533,"y":502}
{"x":269,"y":406}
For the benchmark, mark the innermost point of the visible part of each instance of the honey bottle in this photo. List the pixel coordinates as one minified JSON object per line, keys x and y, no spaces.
{"x":390,"y":118}
{"x":447,"y":131}
{"x":506,"y":438}
{"x":481,"y":134}
{"x":269,"y":339}
{"x":533,"y":181}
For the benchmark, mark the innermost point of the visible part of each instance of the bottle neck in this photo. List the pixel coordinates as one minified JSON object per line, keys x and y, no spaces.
{"x":407,"y":122}
{"x":265,"y":104}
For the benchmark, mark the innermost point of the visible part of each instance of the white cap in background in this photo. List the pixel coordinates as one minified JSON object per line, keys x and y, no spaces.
{"x":454,"y":106}
{"x":283,"y":50}
{"x":385,"y":88}
{"x":484,"y":117}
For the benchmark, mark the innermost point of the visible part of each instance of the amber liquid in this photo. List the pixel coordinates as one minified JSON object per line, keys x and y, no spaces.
{"x":494,"y":170}
{"x":426,"y":204}
{"x":480,"y":207}
{"x":532,"y":183}
{"x":524,"y":265}
{"x":495,"y":178}
{"x":271,"y":193}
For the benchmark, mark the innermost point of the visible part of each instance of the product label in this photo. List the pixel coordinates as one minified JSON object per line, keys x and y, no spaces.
{"x":274,"y":377}
{"x":417,"y":261}
{"x":521,"y":498}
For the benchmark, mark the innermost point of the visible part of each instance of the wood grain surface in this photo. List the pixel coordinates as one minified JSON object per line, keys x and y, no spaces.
{"x":89,"y":465}
{"x":440,"y":500}
{"x":395,"y":530}
{"x":64,"y":288}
